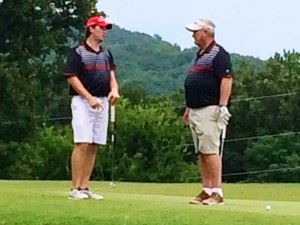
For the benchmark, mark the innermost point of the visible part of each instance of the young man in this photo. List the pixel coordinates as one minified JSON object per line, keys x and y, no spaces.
{"x":90,"y":71}
{"x":207,"y":91}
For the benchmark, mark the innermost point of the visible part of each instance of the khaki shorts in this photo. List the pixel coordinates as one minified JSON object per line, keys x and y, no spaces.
{"x":205,"y":130}
{"x":89,"y":125}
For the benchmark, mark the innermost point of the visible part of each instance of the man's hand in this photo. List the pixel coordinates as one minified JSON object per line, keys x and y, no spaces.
{"x":224,"y":116}
{"x":185,"y":117}
{"x":95,"y":104}
{"x":113,"y":96}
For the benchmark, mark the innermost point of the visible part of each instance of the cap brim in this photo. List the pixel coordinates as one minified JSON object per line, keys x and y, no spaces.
{"x":108,"y":26}
{"x":192,"y":27}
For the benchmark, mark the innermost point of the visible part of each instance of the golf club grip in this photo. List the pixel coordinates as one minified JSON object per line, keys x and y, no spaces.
{"x":224,"y":132}
{"x":112,"y":113}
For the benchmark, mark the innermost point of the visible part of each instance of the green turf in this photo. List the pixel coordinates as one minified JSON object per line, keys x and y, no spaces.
{"x":45,"y":203}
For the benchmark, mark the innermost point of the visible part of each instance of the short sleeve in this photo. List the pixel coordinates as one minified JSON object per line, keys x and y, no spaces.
{"x":222,"y":64}
{"x":111,"y":61}
{"x":73,"y":65}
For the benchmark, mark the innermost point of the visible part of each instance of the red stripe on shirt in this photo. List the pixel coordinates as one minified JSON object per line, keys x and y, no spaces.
{"x":200,"y":68}
{"x":98,"y":66}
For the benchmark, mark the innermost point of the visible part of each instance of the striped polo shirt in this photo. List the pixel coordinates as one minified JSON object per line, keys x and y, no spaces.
{"x":92,"y":68}
{"x":202,"y":83}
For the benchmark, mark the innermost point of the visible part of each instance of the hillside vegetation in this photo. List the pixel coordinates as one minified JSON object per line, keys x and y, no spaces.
{"x":156,"y":65}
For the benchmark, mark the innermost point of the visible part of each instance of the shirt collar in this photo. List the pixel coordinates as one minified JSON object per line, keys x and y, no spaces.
{"x":207,"y":49}
{"x":90,"y":49}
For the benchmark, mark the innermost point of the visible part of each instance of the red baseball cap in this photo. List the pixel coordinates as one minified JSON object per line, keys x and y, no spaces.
{"x":98,"y":21}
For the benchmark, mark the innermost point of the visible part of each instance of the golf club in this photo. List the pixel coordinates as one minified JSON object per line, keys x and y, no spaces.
{"x":112,"y":143}
{"x":223,"y":136}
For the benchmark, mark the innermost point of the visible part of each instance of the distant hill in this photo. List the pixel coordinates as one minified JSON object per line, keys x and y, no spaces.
{"x":156,"y":65}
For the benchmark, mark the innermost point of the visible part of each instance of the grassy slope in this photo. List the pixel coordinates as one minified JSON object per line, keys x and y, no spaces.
{"x":45,"y":202}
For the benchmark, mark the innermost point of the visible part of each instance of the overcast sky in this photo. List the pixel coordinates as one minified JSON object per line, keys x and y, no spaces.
{"x":257,"y":28}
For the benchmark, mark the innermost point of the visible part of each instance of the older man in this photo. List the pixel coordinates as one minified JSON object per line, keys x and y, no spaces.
{"x":207,"y":91}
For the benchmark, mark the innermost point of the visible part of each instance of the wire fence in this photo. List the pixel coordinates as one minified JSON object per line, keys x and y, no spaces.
{"x":59,"y":118}
{"x":264,"y":97}
{"x":252,"y":172}
{"x":261,"y":171}
{"x":281,"y":95}
{"x":237,"y":139}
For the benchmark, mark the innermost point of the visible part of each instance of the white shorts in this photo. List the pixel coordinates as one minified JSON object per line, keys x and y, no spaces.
{"x":89,"y":125}
{"x":205,"y":130}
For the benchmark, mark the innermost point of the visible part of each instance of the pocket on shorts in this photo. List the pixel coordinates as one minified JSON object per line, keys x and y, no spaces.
{"x":73,"y":104}
{"x":76,"y":102}
{"x":214,"y":114}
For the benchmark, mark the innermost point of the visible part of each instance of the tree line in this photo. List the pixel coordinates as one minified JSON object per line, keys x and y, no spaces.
{"x":151,"y":143}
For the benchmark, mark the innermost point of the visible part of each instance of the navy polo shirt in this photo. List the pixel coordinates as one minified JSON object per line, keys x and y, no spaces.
{"x":202,"y":83}
{"x":92,"y":68}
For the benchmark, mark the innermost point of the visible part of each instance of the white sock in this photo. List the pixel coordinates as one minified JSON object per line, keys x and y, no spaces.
{"x":207,"y":190}
{"x":218,"y":190}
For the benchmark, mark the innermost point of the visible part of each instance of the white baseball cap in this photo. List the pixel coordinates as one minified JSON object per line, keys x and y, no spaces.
{"x":201,"y":24}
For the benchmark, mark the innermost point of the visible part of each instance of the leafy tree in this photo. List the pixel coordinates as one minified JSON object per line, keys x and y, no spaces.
{"x":266,"y":115}
{"x":33,"y":44}
{"x":278,"y":156}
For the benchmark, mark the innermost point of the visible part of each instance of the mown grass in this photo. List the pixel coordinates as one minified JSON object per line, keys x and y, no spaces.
{"x":45,"y":203}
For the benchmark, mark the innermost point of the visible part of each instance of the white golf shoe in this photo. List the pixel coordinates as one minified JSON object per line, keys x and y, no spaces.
{"x":77,"y":195}
{"x":92,"y":194}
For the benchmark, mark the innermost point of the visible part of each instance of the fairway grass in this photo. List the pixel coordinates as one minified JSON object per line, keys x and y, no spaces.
{"x":46,"y":203}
